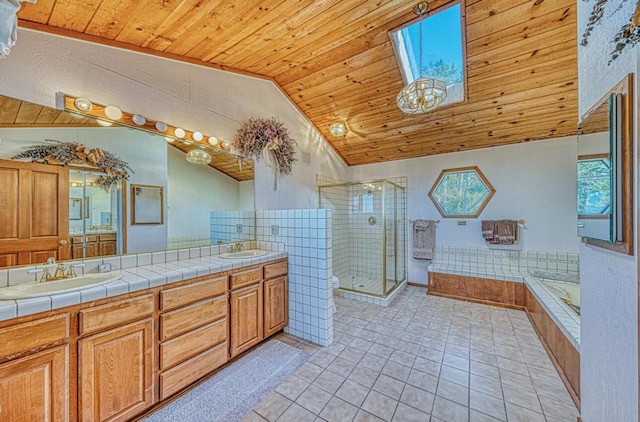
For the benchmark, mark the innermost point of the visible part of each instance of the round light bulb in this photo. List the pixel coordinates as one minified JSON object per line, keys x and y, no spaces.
{"x":168,"y":139}
{"x":161,"y":126}
{"x":213,"y":140}
{"x":337,"y":129}
{"x":197,"y":136}
{"x":179,"y":132}
{"x":104,"y":123}
{"x":113,"y":112}
{"x":83,"y":104}
{"x":139,"y":119}
{"x":226,"y":144}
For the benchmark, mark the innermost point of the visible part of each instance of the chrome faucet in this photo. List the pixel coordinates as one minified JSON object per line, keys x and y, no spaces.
{"x":238,"y":247}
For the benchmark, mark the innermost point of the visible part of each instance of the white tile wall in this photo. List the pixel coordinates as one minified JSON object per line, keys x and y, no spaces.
{"x":231,"y":226}
{"x":306,"y":235}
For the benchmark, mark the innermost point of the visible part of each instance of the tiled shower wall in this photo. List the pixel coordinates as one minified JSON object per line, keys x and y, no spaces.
{"x":232,"y":226}
{"x":307,"y":236}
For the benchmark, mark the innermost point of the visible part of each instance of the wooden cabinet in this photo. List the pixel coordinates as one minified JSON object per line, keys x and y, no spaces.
{"x":35,"y":388}
{"x":107,"y":244}
{"x":115,"y":376}
{"x":276,"y":309}
{"x":247,"y":327}
{"x":95,"y":245}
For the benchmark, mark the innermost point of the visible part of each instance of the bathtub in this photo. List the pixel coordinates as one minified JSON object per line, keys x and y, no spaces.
{"x":567,"y":291}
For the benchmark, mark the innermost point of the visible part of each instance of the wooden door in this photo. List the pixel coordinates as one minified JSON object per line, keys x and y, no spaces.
{"x":276,"y":304}
{"x":247,"y":327}
{"x":34,"y":222}
{"x":116,"y":372}
{"x":36,"y":388}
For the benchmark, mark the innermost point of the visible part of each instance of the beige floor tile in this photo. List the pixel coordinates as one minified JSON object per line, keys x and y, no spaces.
{"x":475,"y":416}
{"x":516,"y":380}
{"x":389,"y":386}
{"x":321,"y":358}
{"x":455,"y":349}
{"x":449,"y":411}
{"x":362,"y":344}
{"x":363,"y":376}
{"x":423,"y":380}
{"x":522,"y":398}
{"x":363,"y":416}
{"x":485,"y":370}
{"x":292,"y":387}
{"x":486,"y":385}
{"x":488,"y":405}
{"x":428,"y":366}
{"x":381,"y":350}
{"x":334,"y":348}
{"x":352,"y":392}
{"x":484,"y":357}
{"x":454,"y":392}
{"x":513,"y":366}
{"x":314,"y":399}
{"x":296,"y":413}
{"x":341,"y":367}
{"x":373,"y":362}
{"x":397,"y":371}
{"x":418,"y":398}
{"x":308,"y":371}
{"x":273,"y":406}
{"x":406,"y":413}
{"x":456,"y":361}
{"x":380,"y":405}
{"x":520,"y":414}
{"x":431,"y":354}
{"x":329,"y":381}
{"x":554,"y":409}
{"x":351,"y":354}
{"x":454,"y":375}
{"x":252,"y":417}
{"x":403,"y":358}
{"x":338,"y":410}
{"x":369,"y":335}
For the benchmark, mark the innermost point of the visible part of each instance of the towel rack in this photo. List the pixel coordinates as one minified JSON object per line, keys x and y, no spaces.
{"x":437,"y":221}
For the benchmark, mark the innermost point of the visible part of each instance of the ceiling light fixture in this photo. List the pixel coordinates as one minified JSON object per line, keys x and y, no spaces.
{"x":161,"y":126}
{"x":83,"y":104}
{"x":197,"y":136}
{"x":198,"y":156}
{"x":338,"y":128}
{"x":113,"y":112}
{"x":139,"y":119}
{"x":212,"y":140}
{"x":424,"y":93}
{"x":179,"y":132}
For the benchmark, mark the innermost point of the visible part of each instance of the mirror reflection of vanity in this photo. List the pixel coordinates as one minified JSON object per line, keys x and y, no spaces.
{"x":100,"y":223}
{"x":605,"y":171}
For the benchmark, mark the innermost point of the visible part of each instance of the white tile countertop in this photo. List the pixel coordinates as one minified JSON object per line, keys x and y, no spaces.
{"x":139,"y":272}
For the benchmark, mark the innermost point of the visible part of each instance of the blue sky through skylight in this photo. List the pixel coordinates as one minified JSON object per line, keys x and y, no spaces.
{"x":442,"y":40}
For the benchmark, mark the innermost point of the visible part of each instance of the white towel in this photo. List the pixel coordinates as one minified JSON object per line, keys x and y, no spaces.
{"x":424,"y":239}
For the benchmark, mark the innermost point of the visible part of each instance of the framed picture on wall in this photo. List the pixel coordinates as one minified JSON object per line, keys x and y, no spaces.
{"x":75,"y":208}
{"x":147,"y":204}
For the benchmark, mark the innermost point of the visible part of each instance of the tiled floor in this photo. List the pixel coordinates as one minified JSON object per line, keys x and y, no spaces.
{"x":423,"y":359}
{"x":364,"y":284}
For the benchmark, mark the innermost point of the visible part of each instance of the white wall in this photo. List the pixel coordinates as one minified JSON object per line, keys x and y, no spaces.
{"x":247,"y":193}
{"x":194,"y":191}
{"x":148,"y":160}
{"x":534,"y":181}
{"x":195,"y":98}
{"x":609,"y":281}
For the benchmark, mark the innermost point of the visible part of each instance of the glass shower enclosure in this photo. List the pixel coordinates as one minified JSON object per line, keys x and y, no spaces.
{"x":369,"y":234}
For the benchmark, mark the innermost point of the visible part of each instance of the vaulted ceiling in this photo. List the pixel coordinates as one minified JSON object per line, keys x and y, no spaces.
{"x":335,"y":61}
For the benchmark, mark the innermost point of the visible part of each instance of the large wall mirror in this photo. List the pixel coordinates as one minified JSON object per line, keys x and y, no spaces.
{"x":89,"y":222}
{"x":605,"y":171}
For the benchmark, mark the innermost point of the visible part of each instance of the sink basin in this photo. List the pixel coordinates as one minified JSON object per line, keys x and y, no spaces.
{"x":28,"y":290}
{"x":243,"y":254}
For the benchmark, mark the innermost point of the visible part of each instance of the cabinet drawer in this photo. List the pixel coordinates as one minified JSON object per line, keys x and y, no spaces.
{"x":184,"y":295}
{"x":111,"y":314}
{"x":104,"y":237}
{"x":192,"y":370}
{"x":183,"y":320}
{"x":33,"y":334}
{"x":190,"y":344}
{"x":274,"y":270}
{"x":245,"y":278}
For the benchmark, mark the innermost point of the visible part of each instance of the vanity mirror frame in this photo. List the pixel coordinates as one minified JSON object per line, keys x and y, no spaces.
{"x":621,"y":158}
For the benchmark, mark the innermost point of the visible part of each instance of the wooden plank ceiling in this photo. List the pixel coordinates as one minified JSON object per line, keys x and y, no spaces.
{"x":16,"y":113}
{"x":335,"y":61}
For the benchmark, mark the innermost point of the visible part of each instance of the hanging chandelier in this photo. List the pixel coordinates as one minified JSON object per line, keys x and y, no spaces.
{"x":198,"y":156}
{"x":424,"y":93}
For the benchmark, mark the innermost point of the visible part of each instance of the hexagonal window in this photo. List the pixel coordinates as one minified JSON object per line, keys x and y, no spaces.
{"x":461,"y":192}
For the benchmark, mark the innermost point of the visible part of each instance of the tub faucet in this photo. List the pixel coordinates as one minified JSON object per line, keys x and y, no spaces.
{"x":238,"y":247}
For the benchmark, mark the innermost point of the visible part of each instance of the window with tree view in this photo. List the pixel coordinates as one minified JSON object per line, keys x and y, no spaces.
{"x":594,"y":187}
{"x":442,"y":51}
{"x":461,"y":192}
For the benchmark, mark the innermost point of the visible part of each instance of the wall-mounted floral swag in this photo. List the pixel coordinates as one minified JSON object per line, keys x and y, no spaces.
{"x":267,"y":139}
{"x":628,"y":35}
{"x":65,"y":153}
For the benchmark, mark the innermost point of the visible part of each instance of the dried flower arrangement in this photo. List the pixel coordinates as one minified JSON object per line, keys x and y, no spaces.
{"x":268,"y":139}
{"x":64,"y":153}
{"x":628,"y":35}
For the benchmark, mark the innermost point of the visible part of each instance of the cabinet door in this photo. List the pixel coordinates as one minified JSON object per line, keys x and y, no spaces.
{"x":276,"y":312}
{"x":107,"y":247}
{"x":247,"y":327}
{"x":116,"y":373}
{"x":35,"y":388}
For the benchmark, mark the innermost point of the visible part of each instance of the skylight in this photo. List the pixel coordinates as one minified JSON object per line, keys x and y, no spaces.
{"x":442,"y":52}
